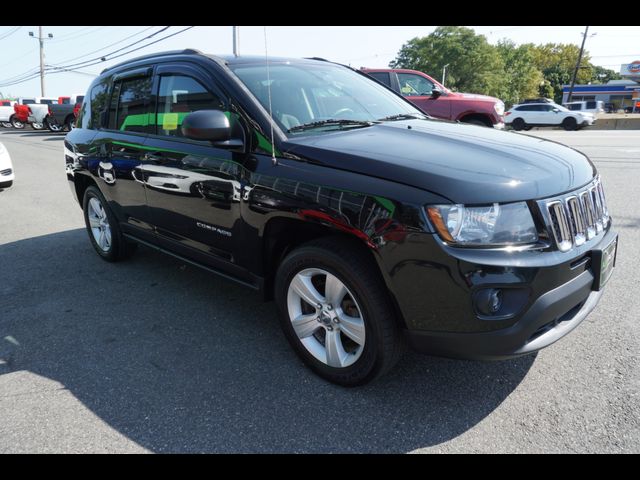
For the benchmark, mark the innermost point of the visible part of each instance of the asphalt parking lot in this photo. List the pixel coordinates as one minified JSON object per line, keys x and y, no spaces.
{"x":153,"y":355}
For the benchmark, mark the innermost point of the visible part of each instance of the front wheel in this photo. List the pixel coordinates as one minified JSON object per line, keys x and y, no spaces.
{"x":37,"y":126}
{"x":6,"y":124}
{"x":569,"y":123}
{"x":336,"y":312}
{"x":102,"y":226}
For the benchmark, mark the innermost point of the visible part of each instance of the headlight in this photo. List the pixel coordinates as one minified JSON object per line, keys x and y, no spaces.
{"x":490,"y":225}
{"x":499,"y":108}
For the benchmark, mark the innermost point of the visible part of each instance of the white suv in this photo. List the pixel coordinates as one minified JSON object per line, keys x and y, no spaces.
{"x":526,"y":116}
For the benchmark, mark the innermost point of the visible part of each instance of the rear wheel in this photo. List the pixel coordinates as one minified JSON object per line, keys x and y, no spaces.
{"x":37,"y":126}
{"x":518,"y":124}
{"x":6,"y":124}
{"x":102,"y":226}
{"x":69,"y":123}
{"x":15,"y":123}
{"x":336,"y":312}
{"x":53,"y":125}
{"x":569,"y":123}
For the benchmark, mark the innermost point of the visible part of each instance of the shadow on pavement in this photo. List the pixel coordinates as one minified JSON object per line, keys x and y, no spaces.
{"x":179,"y":360}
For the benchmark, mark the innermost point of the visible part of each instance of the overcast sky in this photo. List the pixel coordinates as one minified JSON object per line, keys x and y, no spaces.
{"x":358,"y":46}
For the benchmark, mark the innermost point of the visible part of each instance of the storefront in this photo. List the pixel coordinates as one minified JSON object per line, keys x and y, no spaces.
{"x":619,"y":94}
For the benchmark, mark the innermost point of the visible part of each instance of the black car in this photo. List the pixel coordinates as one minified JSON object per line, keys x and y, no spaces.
{"x":372,"y":225}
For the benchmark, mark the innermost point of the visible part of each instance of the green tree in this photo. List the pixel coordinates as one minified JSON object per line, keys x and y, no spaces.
{"x":522,"y":78}
{"x":474,"y":65}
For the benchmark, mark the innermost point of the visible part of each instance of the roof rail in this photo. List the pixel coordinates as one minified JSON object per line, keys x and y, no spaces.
{"x":186,"y":51}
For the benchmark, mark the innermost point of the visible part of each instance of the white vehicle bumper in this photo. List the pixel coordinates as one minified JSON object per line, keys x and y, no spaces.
{"x":6,"y":168}
{"x":499,"y":126}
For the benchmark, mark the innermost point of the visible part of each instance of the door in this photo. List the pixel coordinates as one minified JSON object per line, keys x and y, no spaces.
{"x":119,"y":147}
{"x":193,"y":188}
{"x":545,"y":115}
{"x":417,"y":89}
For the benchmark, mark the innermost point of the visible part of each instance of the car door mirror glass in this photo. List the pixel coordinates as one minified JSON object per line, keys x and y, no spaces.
{"x":436,"y":93}
{"x":209,"y":125}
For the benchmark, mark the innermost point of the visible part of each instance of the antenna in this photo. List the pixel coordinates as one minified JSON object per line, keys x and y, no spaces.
{"x":266,"y":57}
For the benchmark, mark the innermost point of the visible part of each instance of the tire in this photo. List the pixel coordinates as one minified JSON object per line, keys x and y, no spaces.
{"x":53,"y":126}
{"x":6,"y":184}
{"x":15,"y":123}
{"x":37,"y":126}
{"x":518,"y":124}
{"x":475,"y":121}
{"x":7,"y":124}
{"x":364,"y":296}
{"x":103,"y":229}
{"x":527,"y":128}
{"x":569,"y":123}
{"x":69,"y":122}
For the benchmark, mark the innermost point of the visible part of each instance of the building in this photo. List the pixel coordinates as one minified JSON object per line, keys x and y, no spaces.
{"x":620,"y":93}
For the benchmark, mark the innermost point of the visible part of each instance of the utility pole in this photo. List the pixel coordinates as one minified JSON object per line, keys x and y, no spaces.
{"x":444,"y":72}
{"x":575,"y":72}
{"x":236,"y":41}
{"x":41,"y":41}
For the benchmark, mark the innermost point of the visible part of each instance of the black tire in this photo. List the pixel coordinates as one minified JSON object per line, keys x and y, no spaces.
{"x":6,"y":124}
{"x":37,"y":126}
{"x":357,"y":271}
{"x":6,"y":184}
{"x":53,"y":125}
{"x":119,"y":247}
{"x":475,"y":121}
{"x":15,"y":123}
{"x":569,"y":123}
{"x":518,"y":124}
{"x":68,"y":123}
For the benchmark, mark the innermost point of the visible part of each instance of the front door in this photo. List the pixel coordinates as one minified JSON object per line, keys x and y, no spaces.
{"x":417,"y":89}
{"x":193,"y":188}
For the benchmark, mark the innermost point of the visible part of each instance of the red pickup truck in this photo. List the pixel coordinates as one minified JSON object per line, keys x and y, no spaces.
{"x":440,"y":102}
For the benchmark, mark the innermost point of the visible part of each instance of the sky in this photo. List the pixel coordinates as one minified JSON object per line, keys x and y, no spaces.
{"x":357,"y":46}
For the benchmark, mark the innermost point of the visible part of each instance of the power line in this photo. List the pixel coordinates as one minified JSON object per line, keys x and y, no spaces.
{"x":106,"y":46}
{"x":67,"y":39}
{"x":9,"y":33}
{"x":66,"y":68}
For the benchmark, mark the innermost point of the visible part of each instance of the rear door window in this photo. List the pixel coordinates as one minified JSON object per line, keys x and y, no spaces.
{"x":131,"y":99}
{"x":412,"y":85}
{"x":382,"y":77}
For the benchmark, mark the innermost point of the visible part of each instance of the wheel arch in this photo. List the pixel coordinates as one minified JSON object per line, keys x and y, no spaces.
{"x":282,"y":235}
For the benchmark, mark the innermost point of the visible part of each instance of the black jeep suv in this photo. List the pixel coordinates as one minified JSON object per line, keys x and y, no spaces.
{"x":372,"y":225}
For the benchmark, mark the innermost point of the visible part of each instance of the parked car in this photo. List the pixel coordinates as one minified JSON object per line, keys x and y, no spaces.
{"x":29,"y":111}
{"x":440,"y":102}
{"x":7,"y":175}
{"x":537,"y":100}
{"x":525,"y":117}
{"x":591,"y":106}
{"x":6,"y":111}
{"x":62,"y":116}
{"x":371,"y":224}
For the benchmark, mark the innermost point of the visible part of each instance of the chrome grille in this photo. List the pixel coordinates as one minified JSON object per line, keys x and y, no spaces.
{"x":6,"y":172}
{"x":577,"y":217}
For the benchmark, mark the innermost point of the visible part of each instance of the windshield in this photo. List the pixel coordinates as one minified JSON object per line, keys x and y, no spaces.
{"x":310,"y":93}
{"x":561,"y":108}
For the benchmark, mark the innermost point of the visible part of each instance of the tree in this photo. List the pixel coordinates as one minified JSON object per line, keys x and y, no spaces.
{"x":474,"y":65}
{"x":522,"y":78}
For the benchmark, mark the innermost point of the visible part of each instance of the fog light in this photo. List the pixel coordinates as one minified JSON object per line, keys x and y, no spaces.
{"x":489,"y":301}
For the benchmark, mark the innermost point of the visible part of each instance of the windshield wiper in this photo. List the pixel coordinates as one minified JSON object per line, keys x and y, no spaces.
{"x":402,"y":116}
{"x":330,"y":123}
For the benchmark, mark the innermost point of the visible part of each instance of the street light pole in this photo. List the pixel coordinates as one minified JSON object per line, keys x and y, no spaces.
{"x":41,"y":42}
{"x":575,"y":71}
{"x":444,"y":72}
{"x":236,"y":41}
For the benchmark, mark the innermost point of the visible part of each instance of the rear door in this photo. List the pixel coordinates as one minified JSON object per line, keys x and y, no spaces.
{"x":119,"y":146}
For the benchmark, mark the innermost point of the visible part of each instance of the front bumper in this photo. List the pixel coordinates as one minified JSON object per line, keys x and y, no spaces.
{"x":499,"y":125}
{"x":557,"y":292}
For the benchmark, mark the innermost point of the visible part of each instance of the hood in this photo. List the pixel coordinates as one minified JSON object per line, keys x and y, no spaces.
{"x":465,"y":163}
{"x":483,"y":98}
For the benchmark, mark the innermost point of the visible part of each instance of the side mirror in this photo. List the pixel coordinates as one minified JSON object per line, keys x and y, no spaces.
{"x":435,"y":93}
{"x":210,"y":125}
{"x":555,"y":110}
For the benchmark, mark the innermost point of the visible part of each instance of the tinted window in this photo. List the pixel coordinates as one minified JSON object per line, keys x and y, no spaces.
{"x":28,"y":101}
{"x":574,"y":106}
{"x":179,"y":96}
{"x":89,"y":116}
{"x":591,"y":104}
{"x":526,"y":108}
{"x":46,"y":101}
{"x":545,"y":108}
{"x":412,"y":85}
{"x":383,"y":77}
{"x":133,"y":99}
